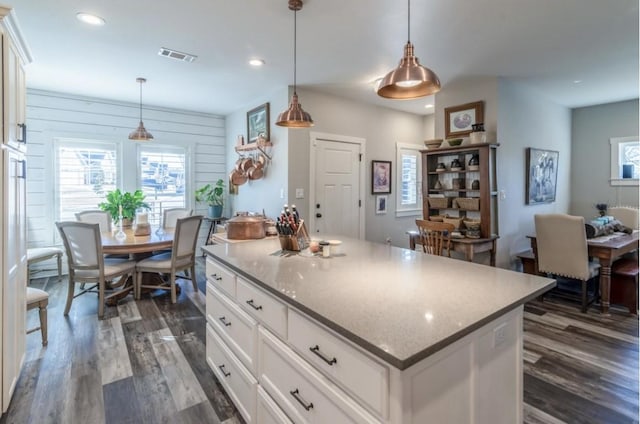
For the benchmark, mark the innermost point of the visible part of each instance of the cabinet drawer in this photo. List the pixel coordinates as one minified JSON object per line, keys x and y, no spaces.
{"x":239,"y":384}
{"x":235,"y":327}
{"x":264,"y":307}
{"x":360,"y":375}
{"x":268,"y":412}
{"x":221,"y":277}
{"x":302,"y":392}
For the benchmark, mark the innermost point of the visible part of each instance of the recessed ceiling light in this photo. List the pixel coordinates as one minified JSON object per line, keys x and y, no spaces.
{"x":428,"y":106}
{"x":90,"y":19}
{"x":256,"y":62}
{"x":577,"y":81}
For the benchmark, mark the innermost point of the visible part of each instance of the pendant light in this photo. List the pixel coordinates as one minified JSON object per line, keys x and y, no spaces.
{"x":140,"y":133}
{"x":409,"y":80}
{"x":294,"y":116}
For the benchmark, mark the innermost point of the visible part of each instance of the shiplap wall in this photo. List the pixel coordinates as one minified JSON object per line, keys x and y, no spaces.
{"x":53,"y":115}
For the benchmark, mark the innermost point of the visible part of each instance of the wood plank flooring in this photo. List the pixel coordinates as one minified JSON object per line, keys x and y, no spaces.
{"x":145,"y":363}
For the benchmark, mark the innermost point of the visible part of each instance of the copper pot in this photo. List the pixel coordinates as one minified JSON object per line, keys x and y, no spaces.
{"x":245,"y":227}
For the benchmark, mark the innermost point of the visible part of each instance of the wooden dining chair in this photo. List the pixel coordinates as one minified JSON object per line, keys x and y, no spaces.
{"x":87,"y":263}
{"x":96,"y":217}
{"x":562,"y":252}
{"x":37,"y":298}
{"x":434,"y":236}
{"x":181,"y":257}
{"x":171,"y":216}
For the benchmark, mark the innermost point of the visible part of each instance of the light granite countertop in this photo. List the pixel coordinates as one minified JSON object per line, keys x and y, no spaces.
{"x":398,"y":304}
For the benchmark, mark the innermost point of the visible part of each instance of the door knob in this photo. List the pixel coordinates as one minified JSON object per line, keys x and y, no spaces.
{"x":318,"y":215}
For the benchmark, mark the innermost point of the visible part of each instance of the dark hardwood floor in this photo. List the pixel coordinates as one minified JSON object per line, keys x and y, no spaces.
{"x":145,"y":363}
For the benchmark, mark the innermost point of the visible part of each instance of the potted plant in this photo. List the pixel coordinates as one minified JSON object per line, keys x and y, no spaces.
{"x":212,"y":195}
{"x":125,"y":203}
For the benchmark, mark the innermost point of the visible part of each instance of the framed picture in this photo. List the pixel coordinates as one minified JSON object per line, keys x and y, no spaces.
{"x":380,"y":176}
{"x":258,"y":123}
{"x":459,"y":119}
{"x":381,"y":204}
{"x":542,"y":176}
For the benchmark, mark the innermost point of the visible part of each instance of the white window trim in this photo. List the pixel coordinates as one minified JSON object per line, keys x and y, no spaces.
{"x":615,"y":179}
{"x":414,"y":211}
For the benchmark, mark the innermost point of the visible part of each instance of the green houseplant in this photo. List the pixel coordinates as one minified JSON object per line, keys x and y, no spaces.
{"x":130,"y":202}
{"x":212,"y":195}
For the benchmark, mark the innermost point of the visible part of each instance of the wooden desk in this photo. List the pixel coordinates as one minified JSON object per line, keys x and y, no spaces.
{"x":469,"y":247}
{"x":606,"y":252}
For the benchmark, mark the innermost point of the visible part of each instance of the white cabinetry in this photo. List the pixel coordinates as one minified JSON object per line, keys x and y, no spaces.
{"x":13,"y":254}
{"x":276,"y":361}
{"x":247,"y":349}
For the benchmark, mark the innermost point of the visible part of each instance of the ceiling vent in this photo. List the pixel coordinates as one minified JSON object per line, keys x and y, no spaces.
{"x":174,"y":54}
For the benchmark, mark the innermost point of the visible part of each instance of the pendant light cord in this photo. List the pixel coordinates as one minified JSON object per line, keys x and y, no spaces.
{"x":140,"y":101}
{"x":295,"y":15}
{"x":409,"y":21}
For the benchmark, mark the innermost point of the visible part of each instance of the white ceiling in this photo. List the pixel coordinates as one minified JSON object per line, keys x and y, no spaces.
{"x":343,"y":46}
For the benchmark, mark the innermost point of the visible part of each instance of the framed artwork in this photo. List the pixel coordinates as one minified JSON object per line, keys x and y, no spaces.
{"x":459,"y":119}
{"x":380,"y":176}
{"x":381,"y":204}
{"x":258,"y":123}
{"x":542,"y":176}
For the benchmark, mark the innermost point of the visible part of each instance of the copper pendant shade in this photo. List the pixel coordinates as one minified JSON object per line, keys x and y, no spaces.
{"x":140,"y":133}
{"x":294,"y":116}
{"x":409,"y":80}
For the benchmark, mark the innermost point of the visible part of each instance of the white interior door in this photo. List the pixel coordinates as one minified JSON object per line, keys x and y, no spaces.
{"x":337,"y":183}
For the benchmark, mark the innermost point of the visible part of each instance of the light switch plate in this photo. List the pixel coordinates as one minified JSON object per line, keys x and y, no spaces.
{"x":299,"y":193}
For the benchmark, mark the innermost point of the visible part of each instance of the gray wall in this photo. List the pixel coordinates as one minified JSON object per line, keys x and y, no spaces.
{"x":254,"y":196}
{"x":381,"y":127}
{"x":527,"y":119}
{"x":590,"y":153}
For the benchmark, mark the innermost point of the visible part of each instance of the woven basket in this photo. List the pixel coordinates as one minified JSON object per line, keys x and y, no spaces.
{"x":438,"y":202}
{"x":468,"y":203}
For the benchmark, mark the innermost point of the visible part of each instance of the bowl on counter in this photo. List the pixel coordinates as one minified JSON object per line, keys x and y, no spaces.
{"x":454,"y":141}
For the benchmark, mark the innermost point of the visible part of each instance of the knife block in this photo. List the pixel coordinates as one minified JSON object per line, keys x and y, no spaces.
{"x":295,"y":242}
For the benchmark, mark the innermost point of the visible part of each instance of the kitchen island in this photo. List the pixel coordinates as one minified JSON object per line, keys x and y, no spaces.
{"x":375,"y":334}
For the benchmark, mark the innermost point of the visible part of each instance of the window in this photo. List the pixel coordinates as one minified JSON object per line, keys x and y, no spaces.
{"x":85,"y":172}
{"x":625,"y":161}
{"x":409,"y":193}
{"x":162,"y":177}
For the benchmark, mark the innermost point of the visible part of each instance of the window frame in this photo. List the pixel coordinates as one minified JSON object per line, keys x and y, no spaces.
{"x":416,"y":208}
{"x":616,"y":168}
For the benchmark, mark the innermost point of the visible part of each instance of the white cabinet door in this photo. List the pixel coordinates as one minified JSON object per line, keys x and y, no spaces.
{"x":14,"y":274}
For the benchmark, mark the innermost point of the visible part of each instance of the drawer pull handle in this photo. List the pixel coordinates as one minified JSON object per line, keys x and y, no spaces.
{"x":296,"y":394}
{"x":316,"y":350}
{"x":250,"y":303}
{"x":223,"y":320}
{"x":215,"y":277}
{"x":226,"y":374}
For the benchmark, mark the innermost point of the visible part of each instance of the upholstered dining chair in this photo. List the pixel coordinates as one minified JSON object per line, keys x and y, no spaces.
{"x":170,"y":216}
{"x":96,"y":217}
{"x":562,"y":251}
{"x":181,"y":257}
{"x":628,"y":216}
{"x":87,"y":264}
{"x":39,"y":254}
{"x":434,"y":236}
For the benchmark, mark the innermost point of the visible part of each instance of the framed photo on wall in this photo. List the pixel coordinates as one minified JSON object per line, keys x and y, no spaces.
{"x":459,"y":119}
{"x":380,"y":176}
{"x":258,"y":123}
{"x":542,"y":176}
{"x":381,"y":204}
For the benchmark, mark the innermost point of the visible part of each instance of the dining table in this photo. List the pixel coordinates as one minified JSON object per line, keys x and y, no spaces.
{"x":607,"y":249}
{"x":137,"y":247}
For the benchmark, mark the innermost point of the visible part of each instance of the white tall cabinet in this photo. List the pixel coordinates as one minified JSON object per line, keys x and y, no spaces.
{"x":13,"y":224}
